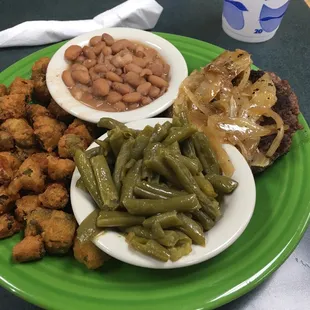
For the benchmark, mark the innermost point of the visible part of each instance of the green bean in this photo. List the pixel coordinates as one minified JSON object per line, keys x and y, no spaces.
{"x":130,"y":180}
{"x":141,"y":231}
{"x":79,"y":184}
{"x":141,"y":142}
{"x":205,"y":153}
{"x":88,"y":229}
{"x":169,"y":239}
{"x":161,"y":191}
{"x":127,"y":167}
{"x":118,"y":219}
{"x":160,"y":132}
{"x":157,"y":231}
{"x":174,"y":148}
{"x":190,"y":185}
{"x":192,"y":229}
{"x":166,"y":220}
{"x":150,"y":207}
{"x":87,"y":175}
{"x":188,"y":148}
{"x":178,"y":134}
{"x":110,"y":123}
{"x":116,"y":140}
{"x":123,"y":157}
{"x":222,"y":183}
{"x":105,"y":184}
{"x":143,"y":193}
{"x":104,"y":146}
{"x":205,"y":185}
{"x":149,"y":247}
{"x":182,"y":248}
{"x":92,"y":152}
{"x":205,"y":221}
{"x":157,"y":165}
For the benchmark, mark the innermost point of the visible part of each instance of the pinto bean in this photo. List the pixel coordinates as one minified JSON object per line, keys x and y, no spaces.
{"x":113,"y":77}
{"x":121,"y":88}
{"x":73,"y":52}
{"x":146,"y":100}
{"x":88,"y":52}
{"x":145,"y":72}
{"x":114,"y":97}
{"x":67,"y":78}
{"x":144,"y":88}
{"x":133,"y":79}
{"x":108,"y":39}
{"x":107,"y":51}
{"x":156,"y":68}
{"x":132,"y":97}
{"x":100,"y":87}
{"x":81,"y":76}
{"x":78,"y":67}
{"x":154,"y":92}
{"x":133,"y":67}
{"x":95,"y":40}
{"x":157,"y":81}
{"x":88,"y":63}
{"x":98,"y":48}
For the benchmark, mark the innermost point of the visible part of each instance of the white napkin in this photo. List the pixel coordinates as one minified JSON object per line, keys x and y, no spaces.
{"x":141,"y":14}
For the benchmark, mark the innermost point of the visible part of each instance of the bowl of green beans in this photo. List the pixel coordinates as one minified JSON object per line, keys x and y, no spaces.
{"x":151,"y":193}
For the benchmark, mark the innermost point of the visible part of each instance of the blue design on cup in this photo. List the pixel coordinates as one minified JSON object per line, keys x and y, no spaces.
{"x":233,"y":13}
{"x":270,"y":19}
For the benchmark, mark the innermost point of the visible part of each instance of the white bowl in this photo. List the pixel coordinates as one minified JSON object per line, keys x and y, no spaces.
{"x":237,"y":211}
{"x":61,"y":94}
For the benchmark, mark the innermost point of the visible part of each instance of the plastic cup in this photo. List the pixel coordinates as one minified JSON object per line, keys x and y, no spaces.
{"x":253,"y":20}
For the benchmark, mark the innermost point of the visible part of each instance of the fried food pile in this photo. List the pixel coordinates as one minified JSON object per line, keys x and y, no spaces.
{"x":254,"y":110}
{"x":37,"y":142}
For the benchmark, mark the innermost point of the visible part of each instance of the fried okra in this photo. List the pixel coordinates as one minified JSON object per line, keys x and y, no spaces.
{"x":3,"y":90}
{"x":59,"y":169}
{"x":21,"y":131}
{"x":39,"y":68}
{"x":77,"y":127}
{"x":68,"y":143}
{"x":35,"y":110}
{"x":8,"y":166}
{"x":48,"y":131}
{"x":59,"y":232}
{"x":58,"y":112}
{"x":56,"y":227}
{"x":88,"y":254}
{"x":25,"y":205}
{"x":31,"y":248}
{"x":6,"y":141}
{"x":36,"y":221}
{"x":23,"y":154}
{"x":12,"y":106}
{"x":7,"y":199}
{"x":8,"y":226}
{"x":22,"y":86}
{"x":29,"y":177}
{"x":55,"y":196}
{"x":40,"y":90}
{"x":42,"y":159}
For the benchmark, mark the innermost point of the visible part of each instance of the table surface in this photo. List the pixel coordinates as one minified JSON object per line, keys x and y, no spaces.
{"x":287,"y":54}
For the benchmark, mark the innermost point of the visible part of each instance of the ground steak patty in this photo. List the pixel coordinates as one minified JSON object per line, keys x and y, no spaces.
{"x":287,"y":107}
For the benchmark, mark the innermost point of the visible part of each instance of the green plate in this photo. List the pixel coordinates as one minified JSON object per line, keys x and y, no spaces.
{"x":278,"y":223}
